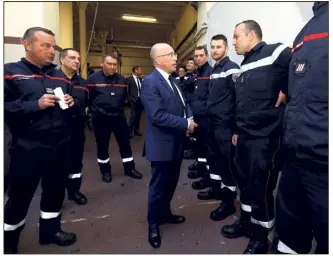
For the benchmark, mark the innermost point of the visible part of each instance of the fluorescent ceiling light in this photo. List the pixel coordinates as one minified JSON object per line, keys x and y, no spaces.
{"x":138,"y":18}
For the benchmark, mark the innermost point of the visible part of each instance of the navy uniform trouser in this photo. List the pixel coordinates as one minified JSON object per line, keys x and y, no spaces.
{"x":221,"y":163}
{"x":103,"y":128}
{"x":162,"y":186}
{"x":32,"y":161}
{"x":200,"y":134}
{"x":255,"y":159}
{"x":302,"y":207}
{"x":76,"y":156}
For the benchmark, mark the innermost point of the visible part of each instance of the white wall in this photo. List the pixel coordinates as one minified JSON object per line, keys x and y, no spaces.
{"x":279,"y":21}
{"x":19,"y":16}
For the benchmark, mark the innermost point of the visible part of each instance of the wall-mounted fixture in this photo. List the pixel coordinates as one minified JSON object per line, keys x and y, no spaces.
{"x":137,"y":18}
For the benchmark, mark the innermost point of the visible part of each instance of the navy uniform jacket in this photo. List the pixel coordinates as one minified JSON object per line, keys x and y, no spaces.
{"x":24,"y":85}
{"x":107,"y":94}
{"x":200,"y":95}
{"x":306,"y":114}
{"x":221,"y":99}
{"x":264,"y":73}
{"x":166,"y":125}
{"x":80,"y":93}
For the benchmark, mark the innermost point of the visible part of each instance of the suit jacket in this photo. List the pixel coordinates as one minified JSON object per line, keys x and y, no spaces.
{"x":166,"y":125}
{"x":132,"y":95}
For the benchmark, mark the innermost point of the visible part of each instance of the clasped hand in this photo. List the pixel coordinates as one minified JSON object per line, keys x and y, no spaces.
{"x":192,"y":125}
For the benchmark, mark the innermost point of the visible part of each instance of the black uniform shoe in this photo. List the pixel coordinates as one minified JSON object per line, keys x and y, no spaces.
{"x":194,"y":166}
{"x":222,"y":212}
{"x":61,"y":239}
{"x":257,"y":246}
{"x":238,"y":229}
{"x":134,"y":174}
{"x":203,"y":183}
{"x":210,"y":194}
{"x":106,"y":177}
{"x":78,"y":198}
{"x":154,"y":237}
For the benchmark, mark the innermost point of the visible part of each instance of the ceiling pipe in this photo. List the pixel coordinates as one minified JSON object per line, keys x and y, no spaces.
{"x":194,"y":27}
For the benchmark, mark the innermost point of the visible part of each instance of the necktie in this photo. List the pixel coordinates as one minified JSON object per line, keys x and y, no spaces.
{"x":139,"y":86}
{"x":176,"y":92}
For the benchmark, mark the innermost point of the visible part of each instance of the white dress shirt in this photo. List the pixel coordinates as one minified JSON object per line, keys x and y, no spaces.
{"x":166,"y":77}
{"x":138,"y":83}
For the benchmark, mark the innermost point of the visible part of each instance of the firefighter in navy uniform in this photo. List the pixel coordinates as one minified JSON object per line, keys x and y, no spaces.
{"x":221,"y":114}
{"x":302,"y":199}
{"x":264,"y":74}
{"x":107,"y":95}
{"x":70,"y":63}
{"x":199,"y":108}
{"x":188,"y":90}
{"x":40,"y":140}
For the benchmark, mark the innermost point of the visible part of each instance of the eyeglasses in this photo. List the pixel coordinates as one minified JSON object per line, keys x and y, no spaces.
{"x":171,"y":54}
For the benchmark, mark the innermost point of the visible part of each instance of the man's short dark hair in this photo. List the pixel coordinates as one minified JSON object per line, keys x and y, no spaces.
{"x":30,"y":32}
{"x":182,"y":68}
{"x":201,"y":47}
{"x":220,"y":37}
{"x":136,"y":67}
{"x":112,"y":55}
{"x":190,"y":59}
{"x":63,"y":53}
{"x":252,"y":25}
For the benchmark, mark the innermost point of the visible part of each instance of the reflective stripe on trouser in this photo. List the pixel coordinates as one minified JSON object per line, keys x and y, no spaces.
{"x":74,"y":182}
{"x":254,"y":159}
{"x":104,"y":126}
{"x":27,"y":158}
{"x":302,"y":202}
{"x":222,"y":169}
{"x":75,"y":161}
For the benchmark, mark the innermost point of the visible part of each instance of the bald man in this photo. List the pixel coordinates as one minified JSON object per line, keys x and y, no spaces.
{"x":168,"y":120}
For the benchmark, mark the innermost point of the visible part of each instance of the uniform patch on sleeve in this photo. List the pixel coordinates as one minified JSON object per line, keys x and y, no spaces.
{"x":300,"y":67}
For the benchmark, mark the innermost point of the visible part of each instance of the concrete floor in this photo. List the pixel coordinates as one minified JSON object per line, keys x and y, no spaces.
{"x":114,"y":220}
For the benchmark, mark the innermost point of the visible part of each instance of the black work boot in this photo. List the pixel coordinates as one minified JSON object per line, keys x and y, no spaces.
{"x":223,"y":211}
{"x":197,"y":170}
{"x":211,"y":194}
{"x":11,"y":240}
{"x":77,"y":197}
{"x":258,"y":243}
{"x":241,"y":227}
{"x":105,"y":169}
{"x":204,"y":182}
{"x":106,"y":177}
{"x":227,"y":206}
{"x":61,"y":238}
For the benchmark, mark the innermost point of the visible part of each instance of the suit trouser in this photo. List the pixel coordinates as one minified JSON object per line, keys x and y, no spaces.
{"x":201,"y":133}
{"x":162,"y":186}
{"x":302,"y":207}
{"x":257,"y":178}
{"x":103,"y":127}
{"x":136,"y":111}
{"x":31,"y":161}
{"x":221,"y":164}
{"x":76,"y":157}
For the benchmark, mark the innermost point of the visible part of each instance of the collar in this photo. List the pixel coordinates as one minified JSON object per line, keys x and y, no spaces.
{"x":222,"y":61}
{"x":203,"y":67}
{"x":319,"y":8}
{"x":44,"y":70}
{"x":163,"y":73}
{"x":75,"y":76}
{"x":255,"y":48}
